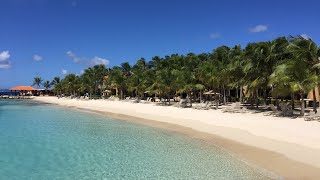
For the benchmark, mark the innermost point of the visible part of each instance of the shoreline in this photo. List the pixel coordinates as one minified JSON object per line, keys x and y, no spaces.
{"x":237,"y":141}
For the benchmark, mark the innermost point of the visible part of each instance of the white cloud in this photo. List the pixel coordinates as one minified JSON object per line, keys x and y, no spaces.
{"x":5,"y":66}
{"x":214,"y":35}
{"x":88,"y":62}
{"x":74,"y":58}
{"x":37,"y":57}
{"x":81,"y":72}
{"x":4,"y":55}
{"x":64,"y":72}
{"x":305,"y":36}
{"x":258,"y":28}
{"x":98,"y":61}
{"x":4,"y":60}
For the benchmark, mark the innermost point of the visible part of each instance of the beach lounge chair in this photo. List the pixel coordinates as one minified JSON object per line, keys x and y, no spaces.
{"x":274,"y":111}
{"x":312,"y":117}
{"x":286,"y":110}
{"x":149,"y":99}
{"x":202,"y":106}
{"x":235,"y":109}
{"x":111,"y":98}
{"x":136,"y":100}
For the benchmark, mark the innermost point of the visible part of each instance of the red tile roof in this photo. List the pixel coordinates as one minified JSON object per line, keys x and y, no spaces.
{"x":23,"y":88}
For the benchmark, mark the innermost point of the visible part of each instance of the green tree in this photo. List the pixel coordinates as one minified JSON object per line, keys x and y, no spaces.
{"x":306,"y":50}
{"x":47,"y":85}
{"x":56,"y":82}
{"x":37,"y":81}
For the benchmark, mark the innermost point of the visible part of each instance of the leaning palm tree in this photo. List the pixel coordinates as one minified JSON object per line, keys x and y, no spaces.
{"x":37,"y":81}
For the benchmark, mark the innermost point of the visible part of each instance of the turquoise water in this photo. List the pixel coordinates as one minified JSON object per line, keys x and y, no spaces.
{"x":39,"y":141}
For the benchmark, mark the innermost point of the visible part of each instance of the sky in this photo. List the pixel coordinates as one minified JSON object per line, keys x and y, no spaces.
{"x":49,"y":38}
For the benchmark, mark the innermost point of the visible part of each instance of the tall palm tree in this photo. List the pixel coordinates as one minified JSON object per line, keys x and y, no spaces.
{"x":137,"y":81}
{"x":37,"y":81}
{"x":236,"y":70}
{"x":208,"y":74}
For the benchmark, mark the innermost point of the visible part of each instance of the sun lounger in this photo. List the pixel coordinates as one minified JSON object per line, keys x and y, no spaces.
{"x":135,"y":100}
{"x":274,"y":111}
{"x":235,"y":109}
{"x":111,"y":98}
{"x":202,"y":106}
{"x":286,"y":110}
{"x":312,"y":117}
{"x":149,"y":99}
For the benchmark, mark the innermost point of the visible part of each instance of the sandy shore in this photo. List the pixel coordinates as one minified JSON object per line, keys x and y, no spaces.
{"x":287,"y":147}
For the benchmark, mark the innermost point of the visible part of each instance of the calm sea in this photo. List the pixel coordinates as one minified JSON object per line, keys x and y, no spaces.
{"x":40,"y":141}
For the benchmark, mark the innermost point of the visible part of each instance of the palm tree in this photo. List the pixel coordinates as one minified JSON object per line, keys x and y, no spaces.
{"x":306,"y":50}
{"x":93,"y":78}
{"x":138,"y":82}
{"x":37,"y":81}
{"x":280,"y":67}
{"x":263,"y":57}
{"x":295,"y":76}
{"x":236,"y":70}
{"x":208,"y":75}
{"x":117,"y":80}
{"x":71,"y":84}
{"x":56,"y":82}
{"x":47,"y":85}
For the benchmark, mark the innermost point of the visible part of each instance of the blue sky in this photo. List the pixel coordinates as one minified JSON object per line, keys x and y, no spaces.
{"x":50,"y":38}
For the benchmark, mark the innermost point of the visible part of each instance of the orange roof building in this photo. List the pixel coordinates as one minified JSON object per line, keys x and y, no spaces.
{"x":23,"y":88}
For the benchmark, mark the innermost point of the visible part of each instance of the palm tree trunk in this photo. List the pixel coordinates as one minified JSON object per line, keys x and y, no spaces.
{"x":217,"y":101}
{"x":265,"y":96}
{"x":251,"y":98}
{"x":241,"y":94}
{"x":292,"y":100}
{"x":189,"y":98}
{"x":302,"y":104}
{"x":257,"y":98}
{"x":121,"y":95}
{"x":200,"y":95}
{"x":314,"y":100}
{"x":237,"y":93}
{"x":224,"y":96}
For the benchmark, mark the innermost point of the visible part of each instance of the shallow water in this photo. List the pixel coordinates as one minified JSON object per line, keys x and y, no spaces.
{"x":40,"y":141}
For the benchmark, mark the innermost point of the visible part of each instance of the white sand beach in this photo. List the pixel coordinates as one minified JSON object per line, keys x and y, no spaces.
{"x":292,"y":146}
